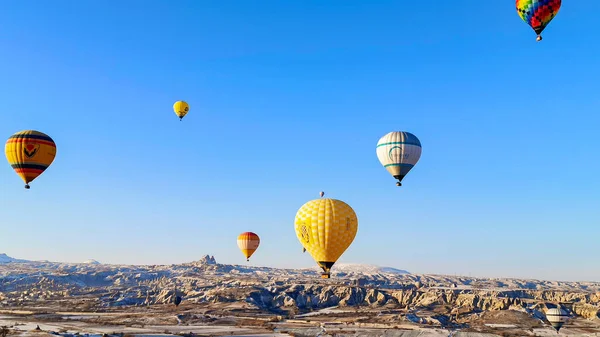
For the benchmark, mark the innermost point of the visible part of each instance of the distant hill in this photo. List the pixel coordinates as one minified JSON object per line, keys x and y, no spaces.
{"x":264,"y":288}
{"x":91,"y":261}
{"x":7,"y":259}
{"x":369,"y":269}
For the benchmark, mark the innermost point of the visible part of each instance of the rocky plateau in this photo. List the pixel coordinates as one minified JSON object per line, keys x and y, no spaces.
{"x":355,"y":294}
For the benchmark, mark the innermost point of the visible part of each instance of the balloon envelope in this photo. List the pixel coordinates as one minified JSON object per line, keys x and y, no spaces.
{"x":181,"y":109}
{"x":399,"y":152}
{"x":538,"y":13}
{"x":326,"y":228}
{"x":557,"y":317}
{"x":30,"y":153}
{"x":248,"y":242}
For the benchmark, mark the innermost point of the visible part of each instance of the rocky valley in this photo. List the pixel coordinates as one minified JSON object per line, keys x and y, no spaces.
{"x":357,"y":300}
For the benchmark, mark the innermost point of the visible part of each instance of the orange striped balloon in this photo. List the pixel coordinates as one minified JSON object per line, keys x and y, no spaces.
{"x":248,"y":243}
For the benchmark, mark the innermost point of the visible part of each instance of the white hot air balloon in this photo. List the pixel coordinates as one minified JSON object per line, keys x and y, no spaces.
{"x":399,"y":152}
{"x":557,"y":317}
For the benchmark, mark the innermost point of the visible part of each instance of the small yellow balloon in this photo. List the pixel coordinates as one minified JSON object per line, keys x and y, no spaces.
{"x":181,"y":109}
{"x":326,"y":228}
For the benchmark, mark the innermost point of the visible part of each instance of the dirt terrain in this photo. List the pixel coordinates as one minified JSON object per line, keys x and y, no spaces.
{"x":229,"y":300}
{"x":233,"y":320}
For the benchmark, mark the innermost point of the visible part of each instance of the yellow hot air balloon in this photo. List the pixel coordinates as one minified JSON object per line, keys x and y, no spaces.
{"x":181,"y":109}
{"x":30,"y":153}
{"x":326,"y":228}
{"x":248,"y":242}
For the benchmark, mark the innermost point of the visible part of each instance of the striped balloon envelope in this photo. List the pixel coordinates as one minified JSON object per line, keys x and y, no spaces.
{"x":557,"y":317}
{"x":248,"y":242}
{"x":30,"y":153}
{"x":399,"y":152}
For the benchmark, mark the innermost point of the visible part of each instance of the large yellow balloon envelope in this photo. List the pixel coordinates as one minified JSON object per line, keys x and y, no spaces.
{"x":30,"y":153}
{"x":326,"y":228}
{"x":248,"y":242}
{"x":181,"y":109}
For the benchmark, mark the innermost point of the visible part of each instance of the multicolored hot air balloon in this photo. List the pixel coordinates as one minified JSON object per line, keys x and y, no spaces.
{"x":326,"y":228}
{"x":248,"y":242}
{"x":557,"y":317}
{"x":30,"y":153}
{"x":399,"y":152}
{"x":181,"y":109}
{"x":538,"y":13}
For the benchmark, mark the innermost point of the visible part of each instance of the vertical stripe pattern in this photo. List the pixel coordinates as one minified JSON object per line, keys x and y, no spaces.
{"x":557,"y":317}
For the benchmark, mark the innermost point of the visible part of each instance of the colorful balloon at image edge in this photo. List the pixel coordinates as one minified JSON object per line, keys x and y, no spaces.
{"x":538,"y":13}
{"x":248,"y":243}
{"x":181,"y":109}
{"x":399,"y":152}
{"x":326,"y":228}
{"x":30,"y":153}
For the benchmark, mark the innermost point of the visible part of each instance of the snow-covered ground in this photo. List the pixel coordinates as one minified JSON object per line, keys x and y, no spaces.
{"x":93,"y":273}
{"x":80,"y":327}
{"x":320,"y":312}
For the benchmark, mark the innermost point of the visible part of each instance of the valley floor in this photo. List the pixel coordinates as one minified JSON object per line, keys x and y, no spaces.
{"x":194,"y":320}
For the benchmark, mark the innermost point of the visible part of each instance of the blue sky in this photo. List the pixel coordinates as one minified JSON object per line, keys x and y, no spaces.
{"x":289,"y":98}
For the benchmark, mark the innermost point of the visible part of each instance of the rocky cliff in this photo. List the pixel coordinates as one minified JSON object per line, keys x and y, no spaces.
{"x":279,"y":290}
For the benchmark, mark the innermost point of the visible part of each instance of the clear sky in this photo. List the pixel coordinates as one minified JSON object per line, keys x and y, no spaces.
{"x":289,"y":98}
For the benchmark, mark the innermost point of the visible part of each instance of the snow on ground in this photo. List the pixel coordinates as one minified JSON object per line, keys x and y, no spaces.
{"x":501,"y":325}
{"x":563,"y":332}
{"x":91,"y":261}
{"x":324,"y":311}
{"x":83,"y":328}
{"x":365,"y":269}
{"x":7,"y":259}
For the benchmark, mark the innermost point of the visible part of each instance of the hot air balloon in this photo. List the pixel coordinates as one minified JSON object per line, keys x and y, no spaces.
{"x":326,"y":228}
{"x":538,"y":13}
{"x":248,"y":242}
{"x":30,"y":153}
{"x":557,"y":317}
{"x":321,"y":194}
{"x":181,"y":109}
{"x":399,"y":152}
